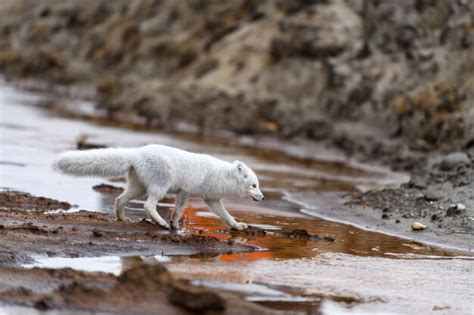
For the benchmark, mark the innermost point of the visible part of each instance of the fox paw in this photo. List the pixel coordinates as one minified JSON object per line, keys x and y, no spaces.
{"x":164,"y":225}
{"x":240,"y":226}
{"x":175,"y":226}
{"x":123,"y":219}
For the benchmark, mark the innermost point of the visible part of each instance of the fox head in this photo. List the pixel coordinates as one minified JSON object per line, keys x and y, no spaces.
{"x":248,"y":181}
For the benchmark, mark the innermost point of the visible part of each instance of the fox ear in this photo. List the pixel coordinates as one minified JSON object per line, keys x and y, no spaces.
{"x":238,"y":165}
{"x":240,"y":168}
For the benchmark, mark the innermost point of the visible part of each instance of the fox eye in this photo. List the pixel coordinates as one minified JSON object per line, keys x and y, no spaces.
{"x":254,"y":186}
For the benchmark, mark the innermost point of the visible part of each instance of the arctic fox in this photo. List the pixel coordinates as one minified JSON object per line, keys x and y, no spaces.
{"x":155,"y":170}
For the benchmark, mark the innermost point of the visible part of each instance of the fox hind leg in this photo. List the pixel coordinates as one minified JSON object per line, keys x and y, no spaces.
{"x":181,"y":198}
{"x":134,"y":189}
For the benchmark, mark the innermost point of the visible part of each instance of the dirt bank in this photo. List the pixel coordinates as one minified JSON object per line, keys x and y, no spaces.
{"x":141,"y":290}
{"x":439,"y":195}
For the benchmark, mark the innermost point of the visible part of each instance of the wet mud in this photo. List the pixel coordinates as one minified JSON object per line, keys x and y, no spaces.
{"x":17,"y":200}
{"x":47,"y":230}
{"x":51,"y":231}
{"x":108,"y":189}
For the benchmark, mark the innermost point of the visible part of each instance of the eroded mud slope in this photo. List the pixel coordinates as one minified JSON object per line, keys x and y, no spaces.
{"x":291,"y":68}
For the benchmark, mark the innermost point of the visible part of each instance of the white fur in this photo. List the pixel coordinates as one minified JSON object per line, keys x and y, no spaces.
{"x":155,"y":170}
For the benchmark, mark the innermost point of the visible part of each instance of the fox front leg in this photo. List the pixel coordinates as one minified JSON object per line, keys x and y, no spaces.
{"x":218,"y":208}
{"x":150,"y":209}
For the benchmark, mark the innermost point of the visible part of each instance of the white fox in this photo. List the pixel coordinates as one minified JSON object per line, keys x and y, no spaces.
{"x":155,"y":170}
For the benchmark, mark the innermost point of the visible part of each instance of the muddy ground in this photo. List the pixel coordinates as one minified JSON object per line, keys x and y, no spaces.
{"x":36,"y":226}
{"x":144,"y":289}
{"x":29,"y":228}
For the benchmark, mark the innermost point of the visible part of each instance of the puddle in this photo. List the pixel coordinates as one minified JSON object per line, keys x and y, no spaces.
{"x":361,"y":270}
{"x":108,"y":264}
{"x":22,"y":310}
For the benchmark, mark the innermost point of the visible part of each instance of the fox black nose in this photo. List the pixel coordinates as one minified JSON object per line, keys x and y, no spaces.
{"x":263,"y":198}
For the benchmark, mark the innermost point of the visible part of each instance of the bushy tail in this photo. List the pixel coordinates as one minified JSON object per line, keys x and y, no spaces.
{"x":98,"y":162}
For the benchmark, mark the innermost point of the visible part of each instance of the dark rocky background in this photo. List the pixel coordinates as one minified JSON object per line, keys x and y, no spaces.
{"x":391,"y":71}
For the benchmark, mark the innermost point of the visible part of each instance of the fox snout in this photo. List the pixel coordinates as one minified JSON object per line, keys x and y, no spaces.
{"x":258,"y":196}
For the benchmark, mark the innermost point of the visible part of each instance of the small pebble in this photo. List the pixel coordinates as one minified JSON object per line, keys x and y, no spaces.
{"x":455,"y":210}
{"x":97,"y":233}
{"x":432,"y":196}
{"x":418,"y":226}
{"x":417,"y":182}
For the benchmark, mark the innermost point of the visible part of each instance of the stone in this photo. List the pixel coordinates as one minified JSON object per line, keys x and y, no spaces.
{"x":453,"y":160}
{"x":455,"y":210}
{"x":418,"y":226}
{"x":432,"y":196}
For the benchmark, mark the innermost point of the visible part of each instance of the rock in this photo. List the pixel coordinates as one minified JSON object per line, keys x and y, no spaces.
{"x":417,"y":182}
{"x":83,"y":144}
{"x":97,"y":233}
{"x":455,"y":210}
{"x":195,"y":299}
{"x":453,"y":160}
{"x":332,"y":30}
{"x":305,"y":235}
{"x":418,"y":226}
{"x":432,"y":196}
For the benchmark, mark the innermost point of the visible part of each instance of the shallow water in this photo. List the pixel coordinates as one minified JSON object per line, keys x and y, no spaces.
{"x":360,"y":271}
